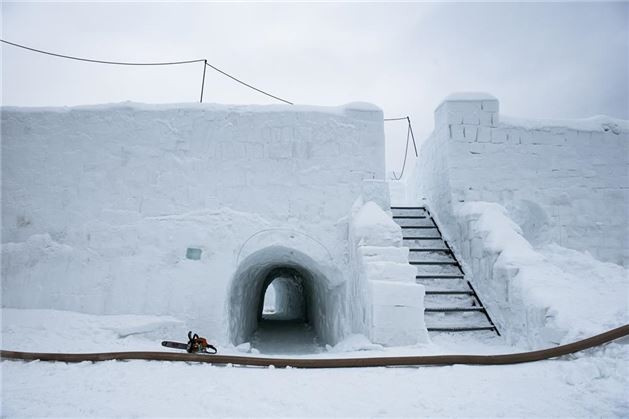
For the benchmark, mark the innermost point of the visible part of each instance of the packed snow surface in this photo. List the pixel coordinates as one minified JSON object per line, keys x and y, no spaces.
{"x":373,"y":226}
{"x":593,"y":383}
{"x":354,"y":343}
{"x":297,"y":338}
{"x":471,"y":96}
{"x":594,"y":123}
{"x":577,"y":307}
{"x":339,"y":110}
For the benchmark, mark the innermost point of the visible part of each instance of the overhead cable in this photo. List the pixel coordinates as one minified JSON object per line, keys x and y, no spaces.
{"x":89,"y":60}
{"x":203,"y":60}
{"x":213,"y":67}
{"x":248,"y":85}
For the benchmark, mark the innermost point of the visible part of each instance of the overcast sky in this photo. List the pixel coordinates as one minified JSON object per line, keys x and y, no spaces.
{"x":560,"y":60}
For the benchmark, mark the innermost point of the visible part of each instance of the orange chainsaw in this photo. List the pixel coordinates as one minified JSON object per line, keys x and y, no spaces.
{"x":195,"y":345}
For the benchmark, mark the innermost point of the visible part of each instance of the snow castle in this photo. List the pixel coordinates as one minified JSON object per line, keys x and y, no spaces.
{"x":193,"y":210}
{"x":199,"y":211}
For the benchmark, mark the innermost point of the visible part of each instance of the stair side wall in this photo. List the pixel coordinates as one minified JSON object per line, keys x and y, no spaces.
{"x":394,"y":314}
{"x":545,"y":177}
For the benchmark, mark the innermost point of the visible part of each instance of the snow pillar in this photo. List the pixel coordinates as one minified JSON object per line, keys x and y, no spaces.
{"x":397,"y":301}
{"x":467,"y":110}
{"x":376,"y":190}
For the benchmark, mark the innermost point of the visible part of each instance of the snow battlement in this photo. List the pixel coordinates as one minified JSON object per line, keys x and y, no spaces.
{"x":534,"y":209}
{"x":467,"y":109}
{"x":574,"y":170}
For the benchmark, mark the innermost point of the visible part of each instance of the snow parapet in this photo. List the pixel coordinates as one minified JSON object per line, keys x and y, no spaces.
{"x":512,"y":196}
{"x":572,"y":173}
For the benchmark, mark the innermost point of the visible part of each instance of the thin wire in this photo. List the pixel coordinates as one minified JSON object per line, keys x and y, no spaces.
{"x":409,"y":134}
{"x":410,"y":127}
{"x":98,"y":61}
{"x":203,"y":81}
{"x":146,"y":64}
{"x":395,"y":177}
{"x":248,"y":85}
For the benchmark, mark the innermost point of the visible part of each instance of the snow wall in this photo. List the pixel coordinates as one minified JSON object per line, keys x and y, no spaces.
{"x":501,"y":187}
{"x":186,"y":210}
{"x":566,"y":181}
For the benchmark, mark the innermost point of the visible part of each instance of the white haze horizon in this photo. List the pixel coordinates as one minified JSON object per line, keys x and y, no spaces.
{"x":557,"y":60}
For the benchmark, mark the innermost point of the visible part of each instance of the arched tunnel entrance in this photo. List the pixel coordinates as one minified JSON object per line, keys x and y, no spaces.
{"x":283,"y":297}
{"x":282,"y":302}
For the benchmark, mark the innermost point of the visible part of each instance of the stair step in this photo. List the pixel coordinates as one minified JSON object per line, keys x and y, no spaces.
{"x":450,"y":307}
{"x":461,"y":329}
{"x":453,"y":309}
{"x":430,"y":249}
{"x":431,"y":256}
{"x":424,"y":244}
{"x":435,"y":276}
{"x":450,"y":300}
{"x":420,"y":227}
{"x":434,"y":262}
{"x":446,"y":292}
{"x":422,"y":238}
{"x":441,"y":285}
{"x":436,"y":268}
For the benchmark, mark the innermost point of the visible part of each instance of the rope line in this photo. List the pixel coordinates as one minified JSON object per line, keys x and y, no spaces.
{"x":409,"y":135}
{"x":395,"y":177}
{"x":203,"y":60}
{"x":89,"y":60}
{"x":245,"y":84}
{"x":410,"y":128}
{"x":203,"y":82}
{"x":502,"y":359}
{"x":206,"y":64}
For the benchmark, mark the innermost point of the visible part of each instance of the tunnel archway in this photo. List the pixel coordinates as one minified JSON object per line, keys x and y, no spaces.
{"x":285,"y":286}
{"x":304,"y":291}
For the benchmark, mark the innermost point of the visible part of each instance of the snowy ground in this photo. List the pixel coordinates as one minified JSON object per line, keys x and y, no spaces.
{"x":299,"y":338}
{"x":589,"y":384}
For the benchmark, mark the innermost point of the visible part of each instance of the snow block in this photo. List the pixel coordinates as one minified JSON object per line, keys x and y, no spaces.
{"x":467,"y":108}
{"x":398,"y":313}
{"x":396,"y":316}
{"x":386,"y":293}
{"x":384,"y":254}
{"x":390,"y":271}
{"x":371,"y":226}
{"x":376,"y":190}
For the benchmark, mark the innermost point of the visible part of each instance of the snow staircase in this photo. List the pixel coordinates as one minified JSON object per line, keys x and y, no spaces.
{"x":451,"y":302}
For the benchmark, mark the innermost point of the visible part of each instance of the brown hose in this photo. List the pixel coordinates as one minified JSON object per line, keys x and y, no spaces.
{"x":516,"y":358}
